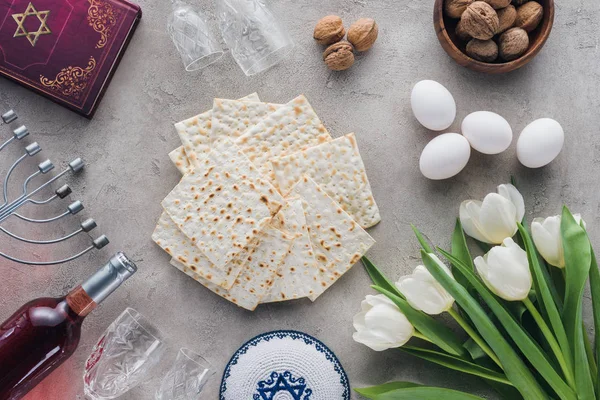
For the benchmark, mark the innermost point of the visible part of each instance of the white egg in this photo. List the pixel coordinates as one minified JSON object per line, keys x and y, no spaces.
{"x":433,"y":105}
{"x":487,"y":132}
{"x":445,"y":156}
{"x":540,"y":142}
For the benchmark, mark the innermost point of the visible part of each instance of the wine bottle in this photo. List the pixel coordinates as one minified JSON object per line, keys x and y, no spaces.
{"x":43,"y":333}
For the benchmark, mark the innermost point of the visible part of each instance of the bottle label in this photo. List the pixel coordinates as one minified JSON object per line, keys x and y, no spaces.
{"x":80,"y":302}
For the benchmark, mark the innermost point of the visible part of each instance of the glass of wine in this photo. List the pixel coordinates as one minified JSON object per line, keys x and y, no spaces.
{"x":124,"y":355}
{"x":186,"y":378}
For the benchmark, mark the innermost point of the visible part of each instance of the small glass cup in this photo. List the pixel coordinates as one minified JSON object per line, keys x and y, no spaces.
{"x":187,"y":377}
{"x":192,"y":38}
{"x":256,"y":38}
{"x":123,"y":356}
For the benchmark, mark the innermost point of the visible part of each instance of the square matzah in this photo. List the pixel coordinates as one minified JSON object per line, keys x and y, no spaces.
{"x":338,"y":241}
{"x":195,"y":132}
{"x":257,"y":276}
{"x":338,"y":168}
{"x":180,"y":160}
{"x":223,"y":203}
{"x":168,"y":236}
{"x":232,"y":117}
{"x":291,"y":128}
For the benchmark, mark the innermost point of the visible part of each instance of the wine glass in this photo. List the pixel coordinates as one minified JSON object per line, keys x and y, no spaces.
{"x":123,"y":356}
{"x":186,"y":378}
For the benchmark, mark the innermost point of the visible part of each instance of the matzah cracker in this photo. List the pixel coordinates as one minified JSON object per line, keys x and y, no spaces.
{"x":180,"y":160}
{"x":257,"y":276}
{"x":232,"y":117}
{"x":173,"y":241}
{"x":337,"y":167}
{"x":338,"y":241}
{"x":298,"y":276}
{"x":195,"y":132}
{"x":223,"y":203}
{"x":294,"y":127}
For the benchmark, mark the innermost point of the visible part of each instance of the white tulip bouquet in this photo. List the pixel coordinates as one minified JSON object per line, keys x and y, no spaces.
{"x":520,"y":306}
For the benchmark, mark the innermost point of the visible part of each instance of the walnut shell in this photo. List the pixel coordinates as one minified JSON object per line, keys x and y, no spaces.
{"x":483,"y":50}
{"x":507,"y":17}
{"x":529,"y":16}
{"x":339,"y":56}
{"x":513,"y":43}
{"x":480,"y":21}
{"x":461,"y":33}
{"x":363,"y":33}
{"x":329,"y":29}
{"x":498,"y":4}
{"x":455,"y":8}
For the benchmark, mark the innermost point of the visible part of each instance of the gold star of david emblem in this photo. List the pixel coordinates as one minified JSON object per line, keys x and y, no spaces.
{"x":20,"y":19}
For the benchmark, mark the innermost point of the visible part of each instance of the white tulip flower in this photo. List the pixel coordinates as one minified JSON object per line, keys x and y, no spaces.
{"x":548,"y":240}
{"x":423,"y":292}
{"x":505,"y":271}
{"x":381,"y":325}
{"x":495,"y":218}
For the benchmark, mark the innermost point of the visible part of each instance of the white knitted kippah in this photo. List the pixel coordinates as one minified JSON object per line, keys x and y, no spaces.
{"x":284,"y":365}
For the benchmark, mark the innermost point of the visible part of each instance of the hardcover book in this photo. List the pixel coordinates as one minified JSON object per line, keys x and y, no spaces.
{"x":66,"y":50}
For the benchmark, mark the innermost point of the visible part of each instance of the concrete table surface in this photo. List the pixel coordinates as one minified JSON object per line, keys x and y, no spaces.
{"x":129,"y":172}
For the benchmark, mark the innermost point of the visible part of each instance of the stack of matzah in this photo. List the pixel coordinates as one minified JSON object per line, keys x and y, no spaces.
{"x":270,"y":207}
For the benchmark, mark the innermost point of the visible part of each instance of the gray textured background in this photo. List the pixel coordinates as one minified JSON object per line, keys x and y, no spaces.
{"x":127,"y":142}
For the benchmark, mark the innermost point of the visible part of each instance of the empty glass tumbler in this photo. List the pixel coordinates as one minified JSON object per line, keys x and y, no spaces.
{"x":256,"y":38}
{"x":123,"y":356}
{"x":192,"y":37}
{"x":186,"y":378}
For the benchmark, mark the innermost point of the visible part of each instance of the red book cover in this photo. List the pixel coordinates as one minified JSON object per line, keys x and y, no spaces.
{"x":66,"y":50}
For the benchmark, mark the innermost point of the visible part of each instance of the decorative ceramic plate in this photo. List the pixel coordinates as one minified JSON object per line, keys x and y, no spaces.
{"x":284,"y":365}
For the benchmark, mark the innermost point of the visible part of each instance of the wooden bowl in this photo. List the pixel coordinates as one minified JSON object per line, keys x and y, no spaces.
{"x":445,"y":28}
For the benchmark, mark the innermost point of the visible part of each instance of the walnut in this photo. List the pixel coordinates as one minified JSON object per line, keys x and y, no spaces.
{"x":329,"y":29}
{"x":461,"y":33}
{"x":339,"y":56}
{"x":513,"y":44}
{"x":363,"y":33}
{"x":483,"y":50}
{"x":507,"y":17}
{"x":529,"y":16}
{"x":498,"y":4}
{"x":455,"y":8}
{"x":480,"y":21}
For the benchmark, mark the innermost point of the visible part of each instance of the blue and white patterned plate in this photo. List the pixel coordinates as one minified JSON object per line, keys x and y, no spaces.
{"x":284,"y":365}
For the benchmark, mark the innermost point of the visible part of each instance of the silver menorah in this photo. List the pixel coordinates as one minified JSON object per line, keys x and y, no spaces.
{"x":10,"y":205}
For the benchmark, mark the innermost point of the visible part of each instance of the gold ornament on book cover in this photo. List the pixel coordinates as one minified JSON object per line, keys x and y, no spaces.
{"x":71,"y":81}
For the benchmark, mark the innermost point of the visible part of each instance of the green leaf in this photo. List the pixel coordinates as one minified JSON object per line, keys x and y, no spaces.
{"x":422,"y":241}
{"x":438,"y":333}
{"x":371,"y":392}
{"x":461,"y":251}
{"x":578,"y":259}
{"x":546,"y":300}
{"x":595,"y":289}
{"x":456,"y":363}
{"x":378,"y":278}
{"x":474,"y":350}
{"x":515,"y":369}
{"x":425,"y":393}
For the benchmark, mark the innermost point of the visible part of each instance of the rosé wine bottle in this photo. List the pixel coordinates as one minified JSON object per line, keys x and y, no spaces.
{"x":43,"y":333}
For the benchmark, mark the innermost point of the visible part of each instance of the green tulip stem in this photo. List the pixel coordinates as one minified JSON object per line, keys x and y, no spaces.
{"x":419,"y":335}
{"x":590,"y":356}
{"x":475,"y":336}
{"x":551,"y":340}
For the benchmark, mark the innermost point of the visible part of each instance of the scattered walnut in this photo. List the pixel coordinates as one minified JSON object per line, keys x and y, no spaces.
{"x":339,"y":56}
{"x":461,"y":33}
{"x":513,"y":44}
{"x":480,"y":21}
{"x":482,"y":50}
{"x":329,"y":29}
{"x":455,"y":8}
{"x":498,"y":4}
{"x":529,"y":16}
{"x":363,"y":33}
{"x":507,"y":17}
